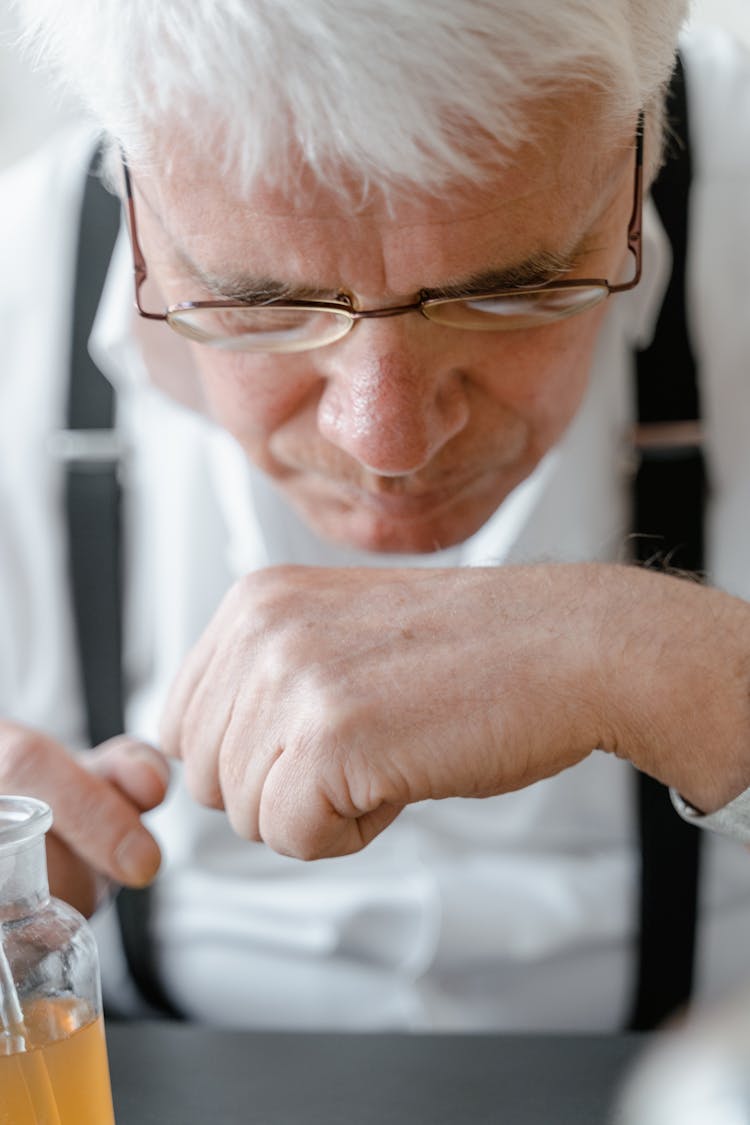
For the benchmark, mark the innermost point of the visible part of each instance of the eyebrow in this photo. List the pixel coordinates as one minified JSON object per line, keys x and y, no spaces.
{"x":537,"y":269}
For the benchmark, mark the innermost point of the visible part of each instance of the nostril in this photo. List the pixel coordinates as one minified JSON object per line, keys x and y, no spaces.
{"x":391,"y":422}
{"x":453,"y":402}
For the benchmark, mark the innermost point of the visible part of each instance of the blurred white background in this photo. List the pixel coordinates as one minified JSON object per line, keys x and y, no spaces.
{"x":30,"y":110}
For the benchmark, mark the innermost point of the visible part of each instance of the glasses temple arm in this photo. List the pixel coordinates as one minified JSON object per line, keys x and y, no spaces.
{"x":140,"y":271}
{"x":635,"y":225}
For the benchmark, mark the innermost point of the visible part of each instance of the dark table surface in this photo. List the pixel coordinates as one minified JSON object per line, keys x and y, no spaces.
{"x":186,"y":1075}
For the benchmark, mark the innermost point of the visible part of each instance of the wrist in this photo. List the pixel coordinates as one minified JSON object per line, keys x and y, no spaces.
{"x":674,"y":683}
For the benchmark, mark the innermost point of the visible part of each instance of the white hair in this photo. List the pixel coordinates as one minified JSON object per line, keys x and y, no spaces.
{"x":388,"y":91}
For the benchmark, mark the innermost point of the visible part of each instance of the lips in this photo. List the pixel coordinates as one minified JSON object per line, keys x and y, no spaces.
{"x":401,"y":505}
{"x":392,"y":499}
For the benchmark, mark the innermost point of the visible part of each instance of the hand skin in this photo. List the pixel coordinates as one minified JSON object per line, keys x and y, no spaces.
{"x":320,"y":702}
{"x":97,"y":798}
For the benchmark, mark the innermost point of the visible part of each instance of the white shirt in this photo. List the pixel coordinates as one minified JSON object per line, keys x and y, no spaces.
{"x":513,"y":912}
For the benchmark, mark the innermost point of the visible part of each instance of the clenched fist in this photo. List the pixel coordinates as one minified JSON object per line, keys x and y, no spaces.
{"x":320,"y":702}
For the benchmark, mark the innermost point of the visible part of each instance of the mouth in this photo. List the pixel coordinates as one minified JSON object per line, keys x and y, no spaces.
{"x":397,"y":515}
{"x":392,"y":499}
{"x":402,"y":503}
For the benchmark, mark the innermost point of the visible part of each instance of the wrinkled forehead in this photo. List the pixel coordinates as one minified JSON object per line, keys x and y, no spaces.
{"x":546,"y":192}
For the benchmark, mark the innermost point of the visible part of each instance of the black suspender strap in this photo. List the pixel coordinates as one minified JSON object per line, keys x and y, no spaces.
{"x":669,"y":500}
{"x":92,"y":491}
{"x":90,"y":450}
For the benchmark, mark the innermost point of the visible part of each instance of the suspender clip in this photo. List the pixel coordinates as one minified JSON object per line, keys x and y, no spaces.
{"x":89,"y":450}
{"x":667,"y":441}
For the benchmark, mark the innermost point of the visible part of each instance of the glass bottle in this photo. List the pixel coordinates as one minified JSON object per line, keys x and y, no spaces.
{"x":53,"y":1059}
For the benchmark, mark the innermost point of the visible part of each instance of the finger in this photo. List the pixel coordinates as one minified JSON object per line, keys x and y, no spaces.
{"x":138,"y":770}
{"x":208,"y":716}
{"x":296,"y":818}
{"x":182,"y":692}
{"x":326,"y":833}
{"x":209,"y":712}
{"x":91,"y":816}
{"x":243,"y":768}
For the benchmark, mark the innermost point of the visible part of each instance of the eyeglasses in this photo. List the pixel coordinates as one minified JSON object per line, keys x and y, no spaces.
{"x":287,"y":326}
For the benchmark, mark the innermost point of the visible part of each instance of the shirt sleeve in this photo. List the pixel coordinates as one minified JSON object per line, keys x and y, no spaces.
{"x":731,"y":820}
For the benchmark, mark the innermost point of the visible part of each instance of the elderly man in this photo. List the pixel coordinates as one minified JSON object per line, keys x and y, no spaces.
{"x":391,"y":262}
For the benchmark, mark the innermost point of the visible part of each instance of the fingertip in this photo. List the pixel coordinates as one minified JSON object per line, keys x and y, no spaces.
{"x":154,"y":759}
{"x":137,"y":858}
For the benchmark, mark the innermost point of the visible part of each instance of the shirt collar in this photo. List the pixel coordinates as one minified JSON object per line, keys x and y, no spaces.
{"x":112,"y":343}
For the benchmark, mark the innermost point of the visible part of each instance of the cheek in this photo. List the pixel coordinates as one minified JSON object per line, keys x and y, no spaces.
{"x":543,"y":379}
{"x":252,"y":396}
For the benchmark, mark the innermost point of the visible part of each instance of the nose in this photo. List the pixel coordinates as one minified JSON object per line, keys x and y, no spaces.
{"x":391,"y":400}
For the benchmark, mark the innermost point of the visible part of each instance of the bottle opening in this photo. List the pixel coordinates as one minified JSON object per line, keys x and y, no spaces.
{"x":22,"y":819}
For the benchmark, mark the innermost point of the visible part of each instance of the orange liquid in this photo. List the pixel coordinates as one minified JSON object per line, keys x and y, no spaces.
{"x":60,"y":1082}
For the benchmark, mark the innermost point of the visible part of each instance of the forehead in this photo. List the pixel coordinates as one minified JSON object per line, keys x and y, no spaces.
{"x":542,"y":197}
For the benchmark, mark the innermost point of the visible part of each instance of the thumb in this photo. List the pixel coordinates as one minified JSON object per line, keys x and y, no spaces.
{"x":136,"y":768}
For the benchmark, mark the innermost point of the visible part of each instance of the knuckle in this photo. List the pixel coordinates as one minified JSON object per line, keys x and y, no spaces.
{"x":339,"y":716}
{"x":266,"y":597}
{"x":284,"y":665}
{"x":256,"y":587}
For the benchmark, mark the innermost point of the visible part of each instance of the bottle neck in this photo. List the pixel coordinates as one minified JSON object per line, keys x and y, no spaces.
{"x":24,"y":885}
